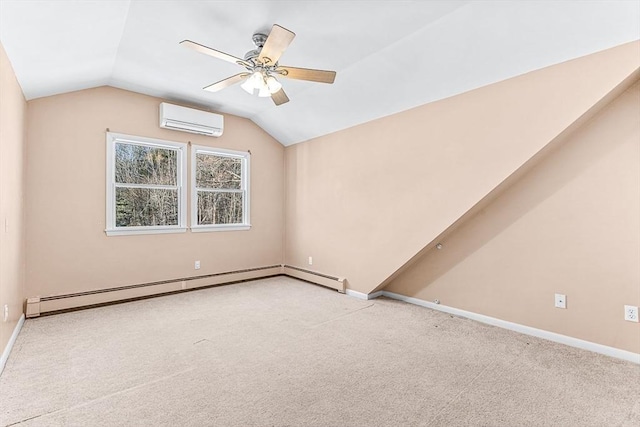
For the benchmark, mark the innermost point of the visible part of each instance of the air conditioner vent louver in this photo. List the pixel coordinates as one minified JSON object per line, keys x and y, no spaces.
{"x":184,"y":119}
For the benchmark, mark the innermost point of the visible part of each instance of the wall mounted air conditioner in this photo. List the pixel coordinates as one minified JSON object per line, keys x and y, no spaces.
{"x":185,"y":119}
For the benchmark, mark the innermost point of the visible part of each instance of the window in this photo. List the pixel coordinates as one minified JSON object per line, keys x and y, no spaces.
{"x":220,"y":189}
{"x":145,"y":179}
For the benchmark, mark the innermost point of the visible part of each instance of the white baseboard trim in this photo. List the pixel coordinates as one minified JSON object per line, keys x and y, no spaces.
{"x":361,"y":295}
{"x":12,"y":341}
{"x":527,"y":330}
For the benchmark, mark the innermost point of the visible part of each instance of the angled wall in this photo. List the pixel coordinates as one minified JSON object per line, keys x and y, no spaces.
{"x":363,"y":201}
{"x":67,"y":249}
{"x":570,"y":225}
{"x":13,"y":113}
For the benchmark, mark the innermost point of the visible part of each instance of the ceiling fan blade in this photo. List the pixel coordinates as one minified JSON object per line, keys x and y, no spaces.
{"x":278,"y":40}
{"x":226,"y":82}
{"x":279,"y":97}
{"x":320,"y":76}
{"x":212,"y":52}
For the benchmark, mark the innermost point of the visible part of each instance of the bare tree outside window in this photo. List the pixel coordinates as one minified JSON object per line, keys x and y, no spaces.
{"x":220,"y":189}
{"x":146,"y":191}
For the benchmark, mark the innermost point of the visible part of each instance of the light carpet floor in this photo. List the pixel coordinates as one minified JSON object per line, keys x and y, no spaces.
{"x":281,"y":352}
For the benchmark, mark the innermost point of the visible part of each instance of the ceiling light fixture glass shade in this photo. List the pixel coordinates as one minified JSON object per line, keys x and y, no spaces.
{"x":273,"y":85}
{"x":263,"y":83}
{"x":263,"y":92}
{"x":253,"y":82}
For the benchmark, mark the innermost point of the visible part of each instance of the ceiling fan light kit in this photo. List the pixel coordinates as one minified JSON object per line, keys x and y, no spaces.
{"x":263,"y":82}
{"x":262,"y":66}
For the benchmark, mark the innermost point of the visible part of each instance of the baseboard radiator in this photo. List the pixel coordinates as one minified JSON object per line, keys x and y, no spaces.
{"x":338,"y":283}
{"x":66,"y":302}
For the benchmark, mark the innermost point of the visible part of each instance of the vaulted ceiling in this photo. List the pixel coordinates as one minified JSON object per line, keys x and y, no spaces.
{"x":389,"y":55}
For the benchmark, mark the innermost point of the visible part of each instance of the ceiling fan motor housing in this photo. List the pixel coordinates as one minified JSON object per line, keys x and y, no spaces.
{"x":251,"y":55}
{"x":259,"y":40}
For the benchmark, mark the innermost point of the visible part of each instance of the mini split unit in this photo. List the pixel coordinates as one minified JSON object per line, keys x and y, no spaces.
{"x":189,"y":120}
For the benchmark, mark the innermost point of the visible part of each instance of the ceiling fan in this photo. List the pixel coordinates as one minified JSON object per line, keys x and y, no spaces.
{"x":262,"y":66}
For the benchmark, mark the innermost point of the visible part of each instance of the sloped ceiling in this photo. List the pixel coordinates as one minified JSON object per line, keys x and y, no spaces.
{"x":365,"y":201}
{"x":389,"y":55}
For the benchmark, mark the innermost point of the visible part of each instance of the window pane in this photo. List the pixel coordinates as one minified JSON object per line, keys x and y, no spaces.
{"x":139,"y":207}
{"x":138,"y":164}
{"x":219,"y":208}
{"x":218,"y":172}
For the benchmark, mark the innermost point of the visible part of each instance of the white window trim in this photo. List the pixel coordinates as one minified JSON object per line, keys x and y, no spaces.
{"x":181,"y":148}
{"x":246,"y":156}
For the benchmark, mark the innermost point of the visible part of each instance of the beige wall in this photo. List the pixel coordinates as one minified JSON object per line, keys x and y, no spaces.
{"x":571,"y":225}
{"x":363,"y":201}
{"x":67,"y":249}
{"x":13,"y":111}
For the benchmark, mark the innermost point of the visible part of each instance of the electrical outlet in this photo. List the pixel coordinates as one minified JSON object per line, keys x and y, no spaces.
{"x":561,"y":301}
{"x":310,"y":260}
{"x":197,"y":265}
{"x":631,"y":313}
{"x":5,"y":313}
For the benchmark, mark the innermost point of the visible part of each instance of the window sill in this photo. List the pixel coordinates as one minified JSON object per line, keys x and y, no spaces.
{"x":134,"y":231}
{"x":208,"y":228}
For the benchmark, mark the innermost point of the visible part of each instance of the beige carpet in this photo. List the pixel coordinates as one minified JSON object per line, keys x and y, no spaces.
{"x":280,"y":352}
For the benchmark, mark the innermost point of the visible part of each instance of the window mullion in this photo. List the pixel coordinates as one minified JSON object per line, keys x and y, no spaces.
{"x":218,"y":190}
{"x":153,"y":186}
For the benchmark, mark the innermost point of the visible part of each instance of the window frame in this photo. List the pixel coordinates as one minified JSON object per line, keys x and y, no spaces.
{"x":246,"y":202}
{"x":181,"y":179}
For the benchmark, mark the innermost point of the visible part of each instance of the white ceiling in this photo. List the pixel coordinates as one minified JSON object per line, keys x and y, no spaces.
{"x":389,"y":55}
